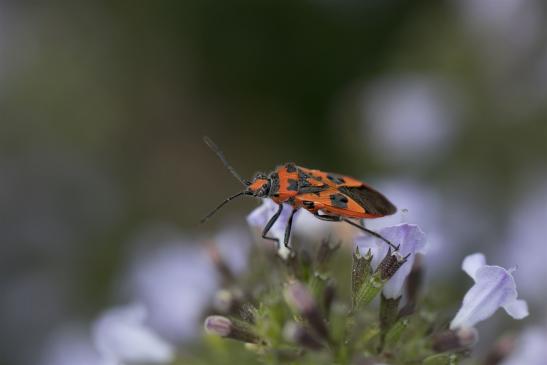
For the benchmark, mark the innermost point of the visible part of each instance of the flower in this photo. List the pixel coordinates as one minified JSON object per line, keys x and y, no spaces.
{"x":530,"y":348}
{"x":121,"y":336}
{"x":411,"y":240}
{"x":233,"y":244}
{"x":175,"y":279}
{"x":70,"y":344}
{"x":494,"y":287}
{"x":413,"y":114}
{"x":525,"y":243}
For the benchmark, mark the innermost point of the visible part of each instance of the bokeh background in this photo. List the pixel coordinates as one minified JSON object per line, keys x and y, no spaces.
{"x":440,"y":104}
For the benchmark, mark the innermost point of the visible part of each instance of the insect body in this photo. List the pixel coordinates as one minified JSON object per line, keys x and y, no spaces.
{"x":328,"y":196}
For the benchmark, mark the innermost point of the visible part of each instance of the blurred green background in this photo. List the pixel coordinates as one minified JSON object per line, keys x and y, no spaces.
{"x":103,"y":106}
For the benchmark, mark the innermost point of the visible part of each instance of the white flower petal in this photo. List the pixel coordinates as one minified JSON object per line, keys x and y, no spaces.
{"x":494,"y":287}
{"x":120,"y":335}
{"x":472,"y":263}
{"x":518,"y":309}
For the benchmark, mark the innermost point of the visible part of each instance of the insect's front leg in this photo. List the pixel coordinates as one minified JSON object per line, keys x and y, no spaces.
{"x":270,"y":223}
{"x":288,"y":229}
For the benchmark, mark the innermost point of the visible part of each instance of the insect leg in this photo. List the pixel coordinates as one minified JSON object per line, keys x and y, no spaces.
{"x":375,"y":234}
{"x":270,"y":223}
{"x":288,"y":229}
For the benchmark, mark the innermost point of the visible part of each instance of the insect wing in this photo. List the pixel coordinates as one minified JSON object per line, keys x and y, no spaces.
{"x":331,"y":179}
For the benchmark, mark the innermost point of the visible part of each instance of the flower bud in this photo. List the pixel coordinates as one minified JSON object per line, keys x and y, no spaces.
{"x":361,"y":270}
{"x":299,"y":297}
{"x":454,"y":339}
{"x":502,"y":348}
{"x":388,"y":316}
{"x":223,"y":301}
{"x":390,"y":264}
{"x":324,"y":254}
{"x":222,"y":268}
{"x":414,"y":279}
{"x":225,"y":327}
{"x":301,"y":336}
{"x":328,"y":296}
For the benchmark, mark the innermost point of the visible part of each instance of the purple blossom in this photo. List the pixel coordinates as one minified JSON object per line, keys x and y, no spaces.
{"x":233,"y":245}
{"x":530,"y":348}
{"x":175,"y":279}
{"x":411,"y":240}
{"x":494,"y":288}
{"x":68,"y":345}
{"x":525,"y":244}
{"x":413,"y":114}
{"x":121,"y":336}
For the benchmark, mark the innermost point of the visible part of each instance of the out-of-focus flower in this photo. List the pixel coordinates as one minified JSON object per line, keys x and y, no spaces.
{"x":530,"y":348}
{"x":411,"y":240}
{"x":121,"y":336}
{"x":492,"y":22}
{"x":233,"y":244}
{"x":494,"y":288}
{"x":411,"y":115}
{"x":176,"y":280}
{"x":525,"y":246}
{"x":70,"y":345}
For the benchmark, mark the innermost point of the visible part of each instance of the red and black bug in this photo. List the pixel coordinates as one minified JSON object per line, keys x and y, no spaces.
{"x":330,"y":197}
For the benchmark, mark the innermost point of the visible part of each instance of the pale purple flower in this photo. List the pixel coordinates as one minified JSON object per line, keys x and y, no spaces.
{"x":176,"y":280}
{"x":121,"y":336}
{"x":530,"y":348}
{"x":233,"y":245}
{"x":526,"y":244}
{"x":407,"y":117}
{"x":69,"y":345}
{"x":494,"y":288}
{"x":411,"y":240}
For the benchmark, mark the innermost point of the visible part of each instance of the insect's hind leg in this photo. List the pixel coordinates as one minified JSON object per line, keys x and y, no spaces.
{"x":371,"y":232}
{"x":288,"y":229}
{"x":335,"y":218}
{"x":270,"y":223}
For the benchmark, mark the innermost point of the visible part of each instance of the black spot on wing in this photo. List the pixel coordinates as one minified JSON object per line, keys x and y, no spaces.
{"x":290,"y":167}
{"x":274,"y":184}
{"x":339,"y":200}
{"x":338,"y":180}
{"x":372,"y":201}
{"x":293,"y":185}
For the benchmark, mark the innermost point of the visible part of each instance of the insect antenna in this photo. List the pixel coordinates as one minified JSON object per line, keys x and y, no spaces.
{"x":204,"y":219}
{"x":220,"y":155}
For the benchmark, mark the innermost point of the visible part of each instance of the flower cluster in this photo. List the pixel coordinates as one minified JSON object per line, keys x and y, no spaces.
{"x":298,"y":309}
{"x":318,"y":303}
